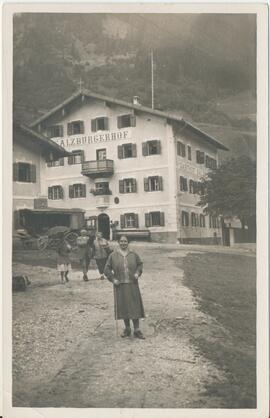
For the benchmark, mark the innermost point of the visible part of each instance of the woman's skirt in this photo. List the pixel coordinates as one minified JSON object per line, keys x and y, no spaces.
{"x":64,"y":267}
{"x":128,"y":301}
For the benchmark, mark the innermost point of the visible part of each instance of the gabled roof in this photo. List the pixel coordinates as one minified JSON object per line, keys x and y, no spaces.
{"x":129,"y":105}
{"x":43,"y":141}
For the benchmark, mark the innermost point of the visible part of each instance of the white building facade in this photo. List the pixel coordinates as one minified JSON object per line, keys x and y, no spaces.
{"x":131,"y":166}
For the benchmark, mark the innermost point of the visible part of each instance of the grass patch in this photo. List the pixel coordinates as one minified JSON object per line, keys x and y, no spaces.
{"x":225,"y":288}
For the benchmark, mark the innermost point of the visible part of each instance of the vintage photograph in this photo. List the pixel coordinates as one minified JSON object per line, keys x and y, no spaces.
{"x":134,"y":210}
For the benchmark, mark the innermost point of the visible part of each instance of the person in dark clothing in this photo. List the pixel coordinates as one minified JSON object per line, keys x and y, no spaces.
{"x":63,"y":259}
{"x":85,"y":248}
{"x":123,"y":269}
{"x":101,"y":252}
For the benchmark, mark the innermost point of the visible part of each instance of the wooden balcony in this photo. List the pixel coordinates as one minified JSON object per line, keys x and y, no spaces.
{"x":96,"y":168}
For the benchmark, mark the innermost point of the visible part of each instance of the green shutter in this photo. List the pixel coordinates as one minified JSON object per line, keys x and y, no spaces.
{"x":50,"y":193}
{"x":134,"y":150}
{"x":120,"y":151}
{"x":119,"y":122}
{"x":160,"y":183}
{"x":162,"y":218}
{"x":69,"y":128}
{"x":134,"y":185}
{"x":83,"y":190}
{"x":15,"y":171}
{"x":71,"y":191}
{"x":81,"y":127}
{"x":132,"y":120}
{"x":106,"y":124}
{"x":144,"y":149}
{"x":93,"y":125}
{"x":121,"y":186}
{"x":158,"y":147}
{"x":122,"y":221}
{"x":147,"y":219}
{"x":33,"y":175}
{"x":146,"y":184}
{"x":136,"y":220}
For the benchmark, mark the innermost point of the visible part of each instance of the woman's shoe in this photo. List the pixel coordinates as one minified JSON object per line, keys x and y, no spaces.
{"x":139,"y":334}
{"x":85,"y":278}
{"x":126,"y":333}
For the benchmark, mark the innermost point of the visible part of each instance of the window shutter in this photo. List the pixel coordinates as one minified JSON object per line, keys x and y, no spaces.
{"x":162,"y":218}
{"x":134,"y":185}
{"x":120,"y":151}
{"x":119,"y":122}
{"x":70,"y":159}
{"x":122,"y":221}
{"x":93,"y":125}
{"x":106,"y":124}
{"x":15,"y":171}
{"x":185,"y":185}
{"x":71,"y":191}
{"x":83,"y":190}
{"x":33,"y":176}
{"x":16,"y":219}
{"x":61,"y":192}
{"x":69,"y":128}
{"x":146,"y":184}
{"x":147,"y":219}
{"x":144,"y":149}
{"x":121,"y":186}
{"x":158,"y":147}
{"x":82,"y":156}
{"x":136,"y":220}
{"x":134,"y":150}
{"x":178,"y":148}
{"x":184,"y":150}
{"x":81,"y":127}
{"x":61,"y":131}
{"x":132,"y":120}
{"x":198,"y":157}
{"x":50,"y":193}
{"x":61,"y":161}
{"x":160,"y":183}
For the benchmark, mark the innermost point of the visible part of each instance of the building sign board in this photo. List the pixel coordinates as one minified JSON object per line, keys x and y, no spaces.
{"x":84,"y":140}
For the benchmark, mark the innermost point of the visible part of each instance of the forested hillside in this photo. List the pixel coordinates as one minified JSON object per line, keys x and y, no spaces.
{"x":204,"y":66}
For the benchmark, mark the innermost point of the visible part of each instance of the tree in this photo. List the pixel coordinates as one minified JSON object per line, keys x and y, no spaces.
{"x":230,"y":190}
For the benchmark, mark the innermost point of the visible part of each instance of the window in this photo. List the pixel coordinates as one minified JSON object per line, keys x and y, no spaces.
{"x":127,"y":186}
{"x":151,"y":148}
{"x":24,"y":172}
{"x":210,"y":162}
{"x":153,"y":184}
{"x":194,"y":219}
{"x":91,"y":222}
{"x":191,"y":186}
{"x":154,"y":219}
{"x":100,"y":124}
{"x":77,"y":157}
{"x":77,"y":190}
{"x":181,"y":149}
{"x":183,"y":184}
{"x":213,"y":222}
{"x":127,"y":151}
{"x":75,"y":128}
{"x":184,"y":218}
{"x":189,"y":152}
{"x":55,"y":193}
{"x":126,"y":121}
{"x":56,"y":163}
{"x":200,"y":157}
{"x":202,"y":220}
{"x":129,"y":220}
{"x":102,"y":188}
{"x":101,"y":154}
{"x":55,"y":131}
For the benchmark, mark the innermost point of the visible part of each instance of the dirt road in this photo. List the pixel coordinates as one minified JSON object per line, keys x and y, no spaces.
{"x":66,"y":353}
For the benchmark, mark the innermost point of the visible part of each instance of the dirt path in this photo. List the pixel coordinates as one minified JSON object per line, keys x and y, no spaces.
{"x":66,"y":353}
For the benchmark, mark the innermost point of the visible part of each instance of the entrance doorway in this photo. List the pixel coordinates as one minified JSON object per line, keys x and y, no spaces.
{"x":104,"y":225}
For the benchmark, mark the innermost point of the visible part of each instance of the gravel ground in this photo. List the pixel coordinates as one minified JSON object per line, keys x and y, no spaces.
{"x":66,"y":353}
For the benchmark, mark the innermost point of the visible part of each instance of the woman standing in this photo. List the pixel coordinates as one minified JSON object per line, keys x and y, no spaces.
{"x":85,"y":248}
{"x":101,"y":252}
{"x":123,"y":269}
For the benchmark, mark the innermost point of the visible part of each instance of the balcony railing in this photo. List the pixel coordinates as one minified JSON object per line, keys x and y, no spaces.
{"x":96,"y":168}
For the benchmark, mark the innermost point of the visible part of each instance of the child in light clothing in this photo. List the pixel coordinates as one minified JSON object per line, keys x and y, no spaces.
{"x":63,"y":259}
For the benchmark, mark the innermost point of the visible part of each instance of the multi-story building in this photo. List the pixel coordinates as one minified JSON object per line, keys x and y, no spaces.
{"x":132,"y":166}
{"x":31,"y":152}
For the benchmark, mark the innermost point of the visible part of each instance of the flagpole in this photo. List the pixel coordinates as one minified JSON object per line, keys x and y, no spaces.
{"x":115,"y":310}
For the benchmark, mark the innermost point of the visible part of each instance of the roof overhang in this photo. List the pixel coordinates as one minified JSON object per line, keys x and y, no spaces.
{"x":54,"y":211}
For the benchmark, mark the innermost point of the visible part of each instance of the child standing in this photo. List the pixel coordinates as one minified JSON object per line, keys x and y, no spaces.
{"x":63,"y":259}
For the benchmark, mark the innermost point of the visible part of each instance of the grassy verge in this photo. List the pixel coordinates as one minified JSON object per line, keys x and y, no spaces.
{"x":225,"y":288}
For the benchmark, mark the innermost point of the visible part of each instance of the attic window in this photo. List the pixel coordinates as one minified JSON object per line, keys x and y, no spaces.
{"x":100,"y":124}
{"x":55,"y":131}
{"x":76,"y":127}
{"x":125,"y":121}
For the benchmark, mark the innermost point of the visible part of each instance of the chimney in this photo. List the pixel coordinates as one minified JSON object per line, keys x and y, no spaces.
{"x":136,"y":100}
